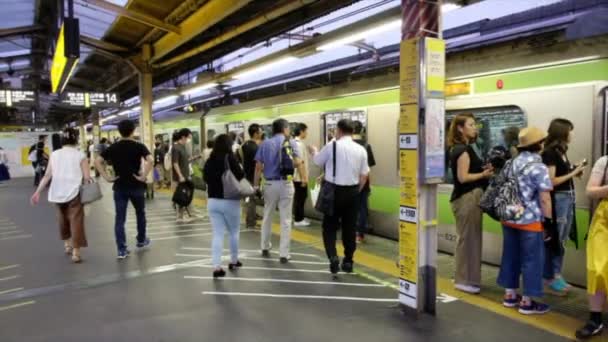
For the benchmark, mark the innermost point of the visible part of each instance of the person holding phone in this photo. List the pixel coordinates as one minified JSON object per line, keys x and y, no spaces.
{"x":562,"y":174}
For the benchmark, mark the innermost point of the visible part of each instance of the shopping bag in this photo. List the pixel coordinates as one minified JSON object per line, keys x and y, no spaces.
{"x":314,"y":194}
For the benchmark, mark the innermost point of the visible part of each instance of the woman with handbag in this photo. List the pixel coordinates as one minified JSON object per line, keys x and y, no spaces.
{"x":470,"y":178}
{"x":597,"y":254}
{"x":224,"y":205}
{"x":67,"y":167}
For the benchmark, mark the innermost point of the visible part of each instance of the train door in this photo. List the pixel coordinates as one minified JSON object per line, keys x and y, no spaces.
{"x":330,"y":123}
{"x":238,"y":128}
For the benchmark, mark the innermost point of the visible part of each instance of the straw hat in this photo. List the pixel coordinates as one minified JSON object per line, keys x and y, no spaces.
{"x":530,"y":136}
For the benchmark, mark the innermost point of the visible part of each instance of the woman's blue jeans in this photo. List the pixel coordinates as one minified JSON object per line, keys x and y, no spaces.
{"x":522,"y":254}
{"x":564,"y":202}
{"x":225,"y":215}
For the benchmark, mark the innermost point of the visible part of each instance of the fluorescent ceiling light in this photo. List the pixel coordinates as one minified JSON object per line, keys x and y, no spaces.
{"x":361,"y":35}
{"x":135,"y":109}
{"x":124,"y":112}
{"x":449,"y":7}
{"x":166,"y":100}
{"x":263,"y":67}
{"x":110,"y":117}
{"x":198,"y":89}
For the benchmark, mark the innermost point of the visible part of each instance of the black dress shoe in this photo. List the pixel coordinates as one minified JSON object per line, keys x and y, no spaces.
{"x":347,"y":266}
{"x":334,"y":265}
{"x":219,"y":273}
{"x":265,"y":253}
{"x":284,"y":260}
{"x":234,"y":266}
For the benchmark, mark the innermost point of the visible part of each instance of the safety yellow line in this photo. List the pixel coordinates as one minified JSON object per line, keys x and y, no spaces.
{"x":552,"y":322}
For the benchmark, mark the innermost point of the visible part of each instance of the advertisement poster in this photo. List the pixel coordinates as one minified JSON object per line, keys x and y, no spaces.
{"x":434,"y":147}
{"x":17,"y":146}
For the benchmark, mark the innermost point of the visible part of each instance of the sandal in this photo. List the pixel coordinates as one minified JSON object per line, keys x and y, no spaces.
{"x":68,"y":249}
{"x":76,"y":258}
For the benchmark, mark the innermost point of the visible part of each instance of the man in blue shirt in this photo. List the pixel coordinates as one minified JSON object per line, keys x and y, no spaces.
{"x":278,"y":187}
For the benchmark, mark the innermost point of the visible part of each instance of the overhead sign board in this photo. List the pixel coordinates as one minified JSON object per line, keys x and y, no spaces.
{"x":67,"y":53}
{"x":90,"y":100}
{"x":12,"y":97}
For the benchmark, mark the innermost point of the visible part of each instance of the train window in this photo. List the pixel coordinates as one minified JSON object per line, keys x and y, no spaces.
{"x":211,"y":134}
{"x":331,"y":122}
{"x":496,"y":127}
{"x":237,"y":128}
{"x":196,"y":138}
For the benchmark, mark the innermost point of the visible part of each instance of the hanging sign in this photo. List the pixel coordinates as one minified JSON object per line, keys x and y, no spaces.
{"x":90,"y":100}
{"x":12,"y":97}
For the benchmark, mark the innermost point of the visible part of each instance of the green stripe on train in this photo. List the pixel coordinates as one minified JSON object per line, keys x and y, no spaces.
{"x":550,"y":76}
{"x":386,"y":200}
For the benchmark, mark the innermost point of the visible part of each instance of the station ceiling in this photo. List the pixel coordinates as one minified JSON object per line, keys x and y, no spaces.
{"x":183,"y":35}
{"x":113,"y":33}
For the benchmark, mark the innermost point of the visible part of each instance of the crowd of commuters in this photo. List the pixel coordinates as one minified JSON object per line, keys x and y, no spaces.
{"x":278,"y":169}
{"x":533,"y":242}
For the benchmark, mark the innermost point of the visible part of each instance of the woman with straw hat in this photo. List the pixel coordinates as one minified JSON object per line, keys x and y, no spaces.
{"x":523,"y":239}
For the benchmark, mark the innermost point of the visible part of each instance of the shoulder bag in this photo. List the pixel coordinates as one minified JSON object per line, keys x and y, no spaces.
{"x":90,"y":192}
{"x":327,"y":196}
{"x":233,"y":188}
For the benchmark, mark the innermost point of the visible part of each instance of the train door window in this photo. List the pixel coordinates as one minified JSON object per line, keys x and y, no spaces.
{"x":266,"y":131}
{"x":496,"y":125}
{"x":331,"y":122}
{"x":211,"y":133}
{"x":238,"y":128}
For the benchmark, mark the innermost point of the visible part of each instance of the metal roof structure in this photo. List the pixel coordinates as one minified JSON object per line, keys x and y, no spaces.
{"x":114,"y":31}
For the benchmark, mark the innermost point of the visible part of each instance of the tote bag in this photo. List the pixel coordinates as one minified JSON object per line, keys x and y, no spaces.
{"x":90,"y":192}
{"x":233,"y":188}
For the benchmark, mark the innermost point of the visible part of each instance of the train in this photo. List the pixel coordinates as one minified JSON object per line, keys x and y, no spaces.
{"x":568,"y":79}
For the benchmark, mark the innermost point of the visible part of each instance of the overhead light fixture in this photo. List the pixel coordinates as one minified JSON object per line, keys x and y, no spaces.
{"x":124,"y":112}
{"x":135,"y":109}
{"x":166,"y":100}
{"x":361,"y":35}
{"x":449,"y":7}
{"x":263,"y":67}
{"x":110,"y":117}
{"x":197,"y":89}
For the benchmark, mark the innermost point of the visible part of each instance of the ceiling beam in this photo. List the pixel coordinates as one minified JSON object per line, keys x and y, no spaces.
{"x":16,"y":31}
{"x":99,"y":44}
{"x":86,"y":83}
{"x":134,"y":15}
{"x":208,"y":15}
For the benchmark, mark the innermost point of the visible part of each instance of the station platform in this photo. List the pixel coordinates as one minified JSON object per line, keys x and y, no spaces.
{"x":166,"y":293}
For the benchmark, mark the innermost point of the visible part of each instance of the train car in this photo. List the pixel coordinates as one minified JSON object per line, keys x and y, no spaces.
{"x":508,"y":84}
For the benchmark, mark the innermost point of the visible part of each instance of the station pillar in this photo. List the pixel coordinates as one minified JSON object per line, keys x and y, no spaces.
{"x":146,"y":98}
{"x":421,"y":152}
{"x":83,"y":133}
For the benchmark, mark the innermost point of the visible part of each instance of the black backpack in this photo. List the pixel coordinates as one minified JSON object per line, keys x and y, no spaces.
{"x":286,"y":163}
{"x":183,"y":194}
{"x":501,"y":200}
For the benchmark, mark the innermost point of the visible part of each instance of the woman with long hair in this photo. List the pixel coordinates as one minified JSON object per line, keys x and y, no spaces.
{"x":597,"y":254}
{"x":470,"y":178}
{"x":68,"y":168}
{"x":224,"y":213}
{"x":562,"y":174}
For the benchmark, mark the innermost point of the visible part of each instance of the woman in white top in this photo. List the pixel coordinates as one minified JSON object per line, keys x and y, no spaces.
{"x":67,"y":167}
{"x":4,"y":174}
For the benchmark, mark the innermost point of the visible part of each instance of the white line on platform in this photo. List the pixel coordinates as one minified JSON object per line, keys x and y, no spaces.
{"x":179,"y":231}
{"x":18,"y":305}
{"x":265,"y":280}
{"x":269,"y":269}
{"x":181,"y":236}
{"x":17,"y":237}
{"x":250,"y":251}
{"x":151,"y":227}
{"x":10,"y":278}
{"x":11,"y":232}
{"x":256,"y":259}
{"x":247,"y":294}
{"x":8,"y":267}
{"x":3,"y":228}
{"x":11,"y":290}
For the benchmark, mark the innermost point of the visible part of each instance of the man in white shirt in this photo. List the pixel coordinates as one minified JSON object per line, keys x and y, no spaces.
{"x":300,"y":179}
{"x":350,"y":176}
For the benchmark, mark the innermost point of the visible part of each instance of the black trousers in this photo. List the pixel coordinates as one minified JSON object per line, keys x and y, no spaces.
{"x":346,"y":207}
{"x":36,"y":174}
{"x":299,"y":199}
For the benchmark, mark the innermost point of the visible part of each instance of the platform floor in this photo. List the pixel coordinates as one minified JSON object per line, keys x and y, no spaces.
{"x":166,"y":293}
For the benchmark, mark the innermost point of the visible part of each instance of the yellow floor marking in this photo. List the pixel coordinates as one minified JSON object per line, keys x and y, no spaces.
{"x":552,"y":322}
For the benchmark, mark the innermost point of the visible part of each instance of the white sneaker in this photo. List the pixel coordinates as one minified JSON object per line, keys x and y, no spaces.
{"x":307,"y":222}
{"x":467,"y":288}
{"x":302,"y":223}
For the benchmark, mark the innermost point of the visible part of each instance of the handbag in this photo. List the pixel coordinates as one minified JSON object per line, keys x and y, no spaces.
{"x":90,"y":192}
{"x":184,"y":192}
{"x":327,"y":196}
{"x":233,"y":188}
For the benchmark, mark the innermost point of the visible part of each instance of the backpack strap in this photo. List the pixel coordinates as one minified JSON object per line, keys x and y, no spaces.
{"x":334,"y":160}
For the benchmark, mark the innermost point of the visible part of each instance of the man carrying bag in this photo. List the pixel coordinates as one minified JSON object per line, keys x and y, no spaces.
{"x":346,"y":173}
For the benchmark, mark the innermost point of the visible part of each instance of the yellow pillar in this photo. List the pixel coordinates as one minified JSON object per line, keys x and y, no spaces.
{"x":145,"y":95}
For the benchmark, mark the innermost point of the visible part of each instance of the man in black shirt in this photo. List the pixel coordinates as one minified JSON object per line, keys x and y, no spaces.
{"x":247,"y":156}
{"x":129,"y":184}
{"x":365,"y":192}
